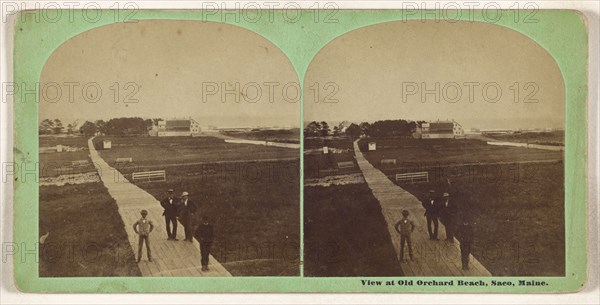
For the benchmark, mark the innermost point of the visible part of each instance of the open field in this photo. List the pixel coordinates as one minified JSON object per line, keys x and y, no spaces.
{"x":450,"y":151}
{"x":542,"y":138}
{"x":59,"y":163}
{"x":151,"y":151}
{"x":520,"y":224}
{"x":52,"y":140}
{"x":345,"y":233}
{"x":317,"y":164}
{"x":86,"y":235}
{"x":519,"y":207}
{"x":336,"y":142}
{"x":273,"y":135}
{"x":254,"y":205}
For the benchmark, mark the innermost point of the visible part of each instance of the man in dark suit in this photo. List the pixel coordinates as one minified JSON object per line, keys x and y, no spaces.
{"x":449,"y":214}
{"x":188,"y":209}
{"x":432,"y":211}
{"x":465,"y":235}
{"x":171,"y":206}
{"x":205,"y":237}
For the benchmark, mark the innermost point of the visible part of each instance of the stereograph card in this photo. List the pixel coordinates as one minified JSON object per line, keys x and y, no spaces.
{"x":300,"y":151}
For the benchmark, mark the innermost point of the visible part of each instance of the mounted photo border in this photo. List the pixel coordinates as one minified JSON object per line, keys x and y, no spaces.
{"x":300,"y":41}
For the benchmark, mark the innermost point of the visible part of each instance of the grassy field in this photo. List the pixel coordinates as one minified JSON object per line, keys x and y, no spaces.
{"x":448,"y":151}
{"x":336,"y":142}
{"x":542,"y":138}
{"x":345,"y":233}
{"x":520,"y":224}
{"x":519,"y":207}
{"x":274,"y":135}
{"x":151,"y":151}
{"x":52,"y":140}
{"x":86,"y":235}
{"x":57,"y":163}
{"x":317,"y":164}
{"x":254,"y":205}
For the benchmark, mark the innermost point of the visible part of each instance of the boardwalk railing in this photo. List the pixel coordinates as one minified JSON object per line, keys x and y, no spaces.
{"x":413,"y":177}
{"x":149,"y":176}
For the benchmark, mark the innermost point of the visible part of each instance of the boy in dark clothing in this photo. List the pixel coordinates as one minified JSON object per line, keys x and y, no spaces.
{"x":405,"y":227}
{"x":143,"y":227}
{"x":204,"y":234}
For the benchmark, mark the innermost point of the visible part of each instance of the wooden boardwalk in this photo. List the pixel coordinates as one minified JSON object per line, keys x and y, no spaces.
{"x":432,"y":258}
{"x":169,"y":258}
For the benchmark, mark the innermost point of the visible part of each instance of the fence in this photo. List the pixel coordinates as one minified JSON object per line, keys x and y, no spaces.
{"x":149,"y":176}
{"x":347,"y":164}
{"x":417,"y":177}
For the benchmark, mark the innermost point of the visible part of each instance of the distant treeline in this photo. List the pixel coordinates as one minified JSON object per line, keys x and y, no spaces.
{"x":117,"y":127}
{"x":384,"y":128}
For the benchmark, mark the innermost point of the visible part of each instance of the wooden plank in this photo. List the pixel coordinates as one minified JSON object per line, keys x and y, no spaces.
{"x":130,"y":199}
{"x":432,"y":258}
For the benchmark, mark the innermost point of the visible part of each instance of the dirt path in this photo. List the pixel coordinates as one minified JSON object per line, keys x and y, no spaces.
{"x":432,"y":258}
{"x":170,"y":258}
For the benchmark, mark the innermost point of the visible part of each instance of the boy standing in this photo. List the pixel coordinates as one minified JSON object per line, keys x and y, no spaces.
{"x":405,"y":227}
{"x":143,"y":227}
{"x":204,"y":234}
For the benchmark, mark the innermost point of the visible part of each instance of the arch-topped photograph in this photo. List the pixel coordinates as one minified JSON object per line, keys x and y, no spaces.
{"x":173,"y":144}
{"x":439,"y":148}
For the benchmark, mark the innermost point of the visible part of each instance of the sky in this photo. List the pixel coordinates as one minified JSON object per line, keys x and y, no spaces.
{"x":477,"y":74}
{"x":380,"y":72}
{"x":171,"y":69}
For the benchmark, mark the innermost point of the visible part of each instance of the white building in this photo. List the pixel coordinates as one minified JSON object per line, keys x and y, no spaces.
{"x":175,"y":128}
{"x":440,"y":130}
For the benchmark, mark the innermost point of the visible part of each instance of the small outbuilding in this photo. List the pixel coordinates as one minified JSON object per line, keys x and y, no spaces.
{"x":106,"y":144}
{"x":372,"y":146}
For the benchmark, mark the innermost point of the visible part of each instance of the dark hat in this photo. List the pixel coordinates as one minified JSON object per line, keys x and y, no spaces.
{"x":144,"y":212}
{"x":405,"y":212}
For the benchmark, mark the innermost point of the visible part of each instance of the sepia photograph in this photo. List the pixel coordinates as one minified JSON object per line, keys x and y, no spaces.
{"x":299,"y":149}
{"x":169,"y":148}
{"x":438,"y":151}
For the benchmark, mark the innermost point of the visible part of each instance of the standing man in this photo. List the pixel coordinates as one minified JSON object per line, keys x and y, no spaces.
{"x":405,"y":227}
{"x":142,"y":228}
{"x":449,"y":211}
{"x":432,"y":209}
{"x":171,"y":206}
{"x":464,"y":233}
{"x":204,"y":234}
{"x":188,"y":213}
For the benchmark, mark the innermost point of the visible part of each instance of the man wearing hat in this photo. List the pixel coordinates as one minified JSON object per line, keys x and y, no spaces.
{"x":449,"y":213}
{"x":171,"y":206}
{"x":187,"y":215}
{"x":142,"y":228}
{"x":432,"y":210}
{"x":465,"y":233}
